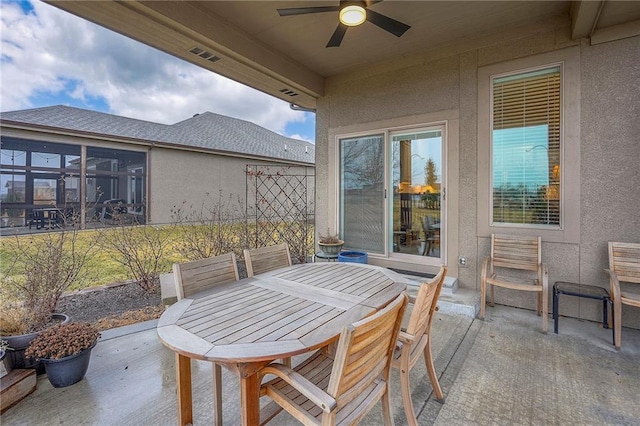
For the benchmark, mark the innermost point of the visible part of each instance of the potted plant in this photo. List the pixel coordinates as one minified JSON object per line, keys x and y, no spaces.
{"x":5,"y":361}
{"x":38,"y":269}
{"x":330,"y":243}
{"x":65,"y":351}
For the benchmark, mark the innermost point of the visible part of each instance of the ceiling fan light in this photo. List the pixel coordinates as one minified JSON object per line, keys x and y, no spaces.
{"x":352,"y":15}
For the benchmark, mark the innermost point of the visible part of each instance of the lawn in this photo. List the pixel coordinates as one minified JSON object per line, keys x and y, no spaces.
{"x":104,"y":260}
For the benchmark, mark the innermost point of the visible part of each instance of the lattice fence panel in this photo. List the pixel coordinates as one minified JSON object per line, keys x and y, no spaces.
{"x":280,"y":204}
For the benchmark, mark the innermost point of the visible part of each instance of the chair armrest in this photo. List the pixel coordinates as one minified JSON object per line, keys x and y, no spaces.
{"x":615,"y":284}
{"x":302,"y":385}
{"x":485,"y":266}
{"x":545,"y":276}
{"x":406,"y":338}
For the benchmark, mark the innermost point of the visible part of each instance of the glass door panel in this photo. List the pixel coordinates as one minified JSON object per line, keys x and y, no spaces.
{"x":417,"y":170}
{"x":362,"y":193}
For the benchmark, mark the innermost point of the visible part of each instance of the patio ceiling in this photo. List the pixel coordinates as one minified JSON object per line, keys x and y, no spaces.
{"x":286,"y":56}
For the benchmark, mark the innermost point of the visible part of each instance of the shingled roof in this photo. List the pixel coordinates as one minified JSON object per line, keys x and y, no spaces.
{"x":207,"y":131}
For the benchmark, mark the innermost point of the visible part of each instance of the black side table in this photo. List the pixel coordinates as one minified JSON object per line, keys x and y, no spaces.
{"x":580,"y":290}
{"x":327,"y":257}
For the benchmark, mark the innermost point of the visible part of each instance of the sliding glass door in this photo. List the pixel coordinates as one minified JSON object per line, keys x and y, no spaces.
{"x":392,"y":193}
{"x":362,"y":193}
{"x":417,"y":202}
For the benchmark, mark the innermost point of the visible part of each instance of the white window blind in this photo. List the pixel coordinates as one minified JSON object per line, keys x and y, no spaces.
{"x":526,"y":140}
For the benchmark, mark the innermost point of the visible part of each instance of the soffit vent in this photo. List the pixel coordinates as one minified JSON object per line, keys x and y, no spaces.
{"x":204,"y":54}
{"x":288,"y":92}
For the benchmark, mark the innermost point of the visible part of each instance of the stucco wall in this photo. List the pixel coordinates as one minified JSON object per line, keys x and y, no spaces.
{"x":178,"y":177}
{"x":609,"y":147}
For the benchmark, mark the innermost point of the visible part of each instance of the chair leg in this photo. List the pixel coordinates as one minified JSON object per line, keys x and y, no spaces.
{"x":492,"y":294}
{"x":386,"y":408}
{"x":217,"y":394}
{"x":617,"y":325}
{"x":435,"y":384}
{"x":545,"y":311}
{"x":405,"y":386}
{"x":483,"y":298}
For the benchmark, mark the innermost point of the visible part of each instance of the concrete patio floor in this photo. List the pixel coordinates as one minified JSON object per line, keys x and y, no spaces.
{"x":499,"y":371}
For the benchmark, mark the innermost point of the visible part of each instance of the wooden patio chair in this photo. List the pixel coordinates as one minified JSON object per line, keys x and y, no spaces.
{"x":415,"y":342}
{"x":624,"y":266}
{"x":340,"y":387}
{"x":198,"y":275}
{"x":265,"y":259}
{"x":520,"y":253}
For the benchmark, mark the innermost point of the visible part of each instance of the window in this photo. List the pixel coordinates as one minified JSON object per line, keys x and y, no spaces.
{"x":525,"y":135}
{"x":529,"y":146}
{"x":34,"y":174}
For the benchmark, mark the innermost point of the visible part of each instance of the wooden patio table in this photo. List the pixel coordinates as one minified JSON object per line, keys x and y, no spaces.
{"x":249,"y":323}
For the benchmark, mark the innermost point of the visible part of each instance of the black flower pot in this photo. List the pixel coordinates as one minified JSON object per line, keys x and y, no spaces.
{"x":68,"y":370}
{"x":20,"y":343}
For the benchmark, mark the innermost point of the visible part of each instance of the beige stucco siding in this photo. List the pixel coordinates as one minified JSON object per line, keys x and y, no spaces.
{"x":184,"y":177}
{"x":608,"y":127}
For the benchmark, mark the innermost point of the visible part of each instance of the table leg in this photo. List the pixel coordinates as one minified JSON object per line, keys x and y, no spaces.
{"x":250,"y":398}
{"x":555,"y":310}
{"x":183,"y":382}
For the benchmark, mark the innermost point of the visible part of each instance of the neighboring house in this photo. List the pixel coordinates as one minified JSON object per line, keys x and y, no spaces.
{"x":54,"y":155}
{"x":529,"y":110}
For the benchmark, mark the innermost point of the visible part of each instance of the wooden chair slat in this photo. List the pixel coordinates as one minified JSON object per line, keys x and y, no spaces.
{"x":265,"y":259}
{"x":199,"y":275}
{"x":520,"y":253}
{"x":419,"y":330}
{"x":624,"y":266}
{"x":355,"y":377}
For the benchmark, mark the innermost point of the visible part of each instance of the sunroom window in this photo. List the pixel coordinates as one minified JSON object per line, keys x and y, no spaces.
{"x":526,"y":148}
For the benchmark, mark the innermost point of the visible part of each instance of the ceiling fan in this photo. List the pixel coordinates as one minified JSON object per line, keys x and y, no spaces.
{"x":352,"y":13}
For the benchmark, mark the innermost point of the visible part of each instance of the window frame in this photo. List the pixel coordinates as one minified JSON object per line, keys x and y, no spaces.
{"x":516,"y":73}
{"x":569,"y":229}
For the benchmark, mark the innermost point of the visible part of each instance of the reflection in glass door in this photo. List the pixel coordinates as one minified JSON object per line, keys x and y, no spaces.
{"x":417,"y":170}
{"x":362,"y":193}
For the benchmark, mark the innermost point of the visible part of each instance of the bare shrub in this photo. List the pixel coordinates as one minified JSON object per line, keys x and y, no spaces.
{"x":42,"y":267}
{"x":141,"y":249}
{"x":215,"y":227}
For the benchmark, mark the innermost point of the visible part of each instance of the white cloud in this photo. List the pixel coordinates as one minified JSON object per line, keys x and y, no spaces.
{"x":51,"y":53}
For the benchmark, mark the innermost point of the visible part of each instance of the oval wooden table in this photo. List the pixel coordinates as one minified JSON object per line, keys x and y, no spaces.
{"x":247,"y":324}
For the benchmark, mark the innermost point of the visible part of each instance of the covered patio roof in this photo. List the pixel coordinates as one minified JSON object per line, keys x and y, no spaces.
{"x":285,"y":56}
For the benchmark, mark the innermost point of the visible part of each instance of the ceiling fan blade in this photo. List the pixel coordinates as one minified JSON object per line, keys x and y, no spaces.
{"x":337,"y":36}
{"x":396,"y":28}
{"x":304,"y":10}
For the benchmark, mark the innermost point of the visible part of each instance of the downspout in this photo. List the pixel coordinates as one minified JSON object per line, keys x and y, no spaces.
{"x":300,"y":108}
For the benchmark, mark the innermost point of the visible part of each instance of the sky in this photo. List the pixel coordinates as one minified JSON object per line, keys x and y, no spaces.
{"x":50,"y":57}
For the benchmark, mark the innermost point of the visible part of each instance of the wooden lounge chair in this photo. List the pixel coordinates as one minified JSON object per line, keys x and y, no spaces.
{"x":624,"y":266}
{"x":341,"y":387}
{"x":521,"y":253}
{"x":415,"y":342}
{"x":198,"y":275}
{"x":265,"y":259}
